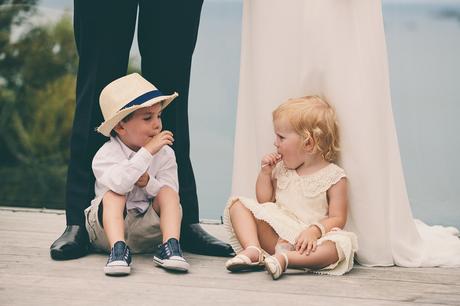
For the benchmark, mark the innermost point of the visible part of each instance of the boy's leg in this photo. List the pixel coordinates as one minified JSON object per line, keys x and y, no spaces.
{"x":113,"y":217}
{"x":169,"y":255}
{"x":119,"y":260}
{"x":166,"y":62}
{"x":166,"y":205}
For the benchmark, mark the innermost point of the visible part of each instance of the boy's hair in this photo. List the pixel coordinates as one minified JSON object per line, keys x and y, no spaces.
{"x":113,"y":133}
{"x":311,"y":116}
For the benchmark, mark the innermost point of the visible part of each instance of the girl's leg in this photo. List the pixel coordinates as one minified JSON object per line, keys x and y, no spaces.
{"x":113,"y":216}
{"x":325,"y":254}
{"x":267,"y":236}
{"x":250,"y":231}
{"x":167,"y":206}
{"x":283,"y":246}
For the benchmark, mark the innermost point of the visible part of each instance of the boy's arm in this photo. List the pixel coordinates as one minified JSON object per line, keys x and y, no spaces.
{"x":120,"y":175}
{"x":166,"y":175}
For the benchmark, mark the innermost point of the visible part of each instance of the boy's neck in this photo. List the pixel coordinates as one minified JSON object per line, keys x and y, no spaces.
{"x":133,"y":148}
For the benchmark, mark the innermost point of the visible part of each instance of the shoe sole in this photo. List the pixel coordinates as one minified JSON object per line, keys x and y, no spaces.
{"x":175,"y":265}
{"x":244,"y":267}
{"x":272,"y":269}
{"x":117,"y":270}
{"x":62,"y":255}
{"x":269,"y":271}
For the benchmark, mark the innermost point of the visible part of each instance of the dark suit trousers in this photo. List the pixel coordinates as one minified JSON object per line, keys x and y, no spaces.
{"x":104,"y":29}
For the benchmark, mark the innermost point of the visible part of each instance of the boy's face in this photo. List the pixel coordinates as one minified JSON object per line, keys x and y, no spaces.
{"x":144,"y":124}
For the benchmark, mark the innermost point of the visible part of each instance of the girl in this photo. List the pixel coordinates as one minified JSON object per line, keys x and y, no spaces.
{"x":301,"y":204}
{"x":337,"y":49}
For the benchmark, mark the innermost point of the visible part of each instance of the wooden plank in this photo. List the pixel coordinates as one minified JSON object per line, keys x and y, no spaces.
{"x":29,"y":277}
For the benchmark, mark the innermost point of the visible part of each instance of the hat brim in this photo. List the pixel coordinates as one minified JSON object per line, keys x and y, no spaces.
{"x":107,"y":126}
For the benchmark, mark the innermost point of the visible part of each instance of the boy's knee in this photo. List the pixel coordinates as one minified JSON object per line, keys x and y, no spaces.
{"x":111,"y":196}
{"x":166,"y":191}
{"x":167,"y":195}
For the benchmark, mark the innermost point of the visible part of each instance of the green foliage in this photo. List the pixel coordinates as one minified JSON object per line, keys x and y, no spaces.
{"x":37,"y":101}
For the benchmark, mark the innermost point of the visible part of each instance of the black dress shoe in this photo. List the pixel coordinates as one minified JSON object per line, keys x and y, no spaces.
{"x":196,"y":240}
{"x":73,"y":243}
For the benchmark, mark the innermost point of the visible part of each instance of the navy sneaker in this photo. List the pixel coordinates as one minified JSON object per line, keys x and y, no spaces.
{"x":169,"y":256}
{"x":119,"y":260}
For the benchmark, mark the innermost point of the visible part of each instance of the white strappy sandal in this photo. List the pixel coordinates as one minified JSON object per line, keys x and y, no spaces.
{"x":242,"y":262}
{"x":273,"y":266}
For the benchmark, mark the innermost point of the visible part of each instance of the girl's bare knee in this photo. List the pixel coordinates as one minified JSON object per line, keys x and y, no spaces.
{"x":330,"y":251}
{"x":237,"y":205}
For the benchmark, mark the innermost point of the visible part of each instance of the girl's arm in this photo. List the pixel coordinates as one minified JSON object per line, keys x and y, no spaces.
{"x":265,"y":184}
{"x":338,"y":202}
{"x":337,"y":217}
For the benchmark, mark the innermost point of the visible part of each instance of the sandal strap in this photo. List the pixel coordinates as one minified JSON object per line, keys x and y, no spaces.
{"x":254,"y":247}
{"x":242,"y":257}
{"x":261,"y":257}
{"x":286,"y":260}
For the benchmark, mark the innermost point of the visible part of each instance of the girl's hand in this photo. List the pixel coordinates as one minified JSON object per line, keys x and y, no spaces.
{"x":143,"y":180}
{"x":269,"y":161}
{"x":158,"y":141}
{"x":306,"y":241}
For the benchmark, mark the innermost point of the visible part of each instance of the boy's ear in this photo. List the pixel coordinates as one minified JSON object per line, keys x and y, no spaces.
{"x":119,"y":128}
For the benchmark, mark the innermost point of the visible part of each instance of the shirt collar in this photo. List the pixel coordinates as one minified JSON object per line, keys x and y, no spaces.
{"x":124,"y":148}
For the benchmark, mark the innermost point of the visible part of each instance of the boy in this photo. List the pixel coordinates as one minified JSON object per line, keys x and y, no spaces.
{"x":136,"y":179}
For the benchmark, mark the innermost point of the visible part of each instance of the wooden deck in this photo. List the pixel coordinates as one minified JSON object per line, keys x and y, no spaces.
{"x":28,"y":276}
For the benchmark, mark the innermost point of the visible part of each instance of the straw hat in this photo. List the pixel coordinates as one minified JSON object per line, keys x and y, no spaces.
{"x":125,"y":95}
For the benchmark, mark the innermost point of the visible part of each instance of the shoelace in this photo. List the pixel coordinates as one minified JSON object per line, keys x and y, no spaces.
{"x":115,"y":254}
{"x":170,"y":248}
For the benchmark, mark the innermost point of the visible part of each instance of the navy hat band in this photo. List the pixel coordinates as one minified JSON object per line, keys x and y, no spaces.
{"x":143,"y":98}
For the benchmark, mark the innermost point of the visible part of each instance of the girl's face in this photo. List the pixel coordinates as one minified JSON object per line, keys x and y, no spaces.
{"x":289,"y":144}
{"x":144,"y":124}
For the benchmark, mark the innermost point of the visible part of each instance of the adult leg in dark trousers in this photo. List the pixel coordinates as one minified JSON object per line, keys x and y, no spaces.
{"x":103,"y":34}
{"x":167,"y":33}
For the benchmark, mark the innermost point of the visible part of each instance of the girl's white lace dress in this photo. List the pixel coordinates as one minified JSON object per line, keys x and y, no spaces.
{"x":299,"y":202}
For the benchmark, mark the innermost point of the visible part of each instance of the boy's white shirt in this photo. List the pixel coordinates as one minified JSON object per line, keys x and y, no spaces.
{"x":117,"y":168}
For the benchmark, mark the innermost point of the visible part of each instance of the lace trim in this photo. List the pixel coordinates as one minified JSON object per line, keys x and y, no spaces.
{"x":313,"y":184}
{"x":322,"y":180}
{"x":282,"y":174}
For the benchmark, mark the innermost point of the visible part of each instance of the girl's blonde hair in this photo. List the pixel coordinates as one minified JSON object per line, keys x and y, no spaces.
{"x":311,"y":116}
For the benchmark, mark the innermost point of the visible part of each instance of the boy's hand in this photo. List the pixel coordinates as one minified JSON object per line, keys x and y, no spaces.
{"x":143,"y":180}
{"x":269,"y":161}
{"x":306,"y":241}
{"x":158,"y":141}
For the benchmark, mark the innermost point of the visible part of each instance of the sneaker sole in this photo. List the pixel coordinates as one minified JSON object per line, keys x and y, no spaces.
{"x":117,"y":270}
{"x":176,"y":265}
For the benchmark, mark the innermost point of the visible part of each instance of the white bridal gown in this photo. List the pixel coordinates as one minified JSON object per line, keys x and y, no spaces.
{"x":335,"y":48}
